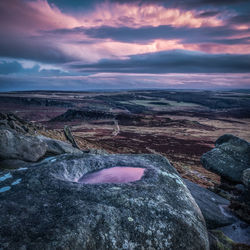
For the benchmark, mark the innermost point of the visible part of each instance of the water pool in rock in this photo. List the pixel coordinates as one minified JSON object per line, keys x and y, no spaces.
{"x":113,"y":175}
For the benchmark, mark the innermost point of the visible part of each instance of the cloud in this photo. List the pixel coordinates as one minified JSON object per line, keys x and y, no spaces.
{"x":221,"y":39}
{"x":9,"y":67}
{"x":240,"y":19}
{"x":105,"y":81}
{"x":120,"y":37}
{"x":16,"y":68}
{"x":209,"y":13}
{"x":176,"y":61}
{"x":205,"y":3}
{"x":40,"y":31}
{"x":145,"y":34}
{"x":32,"y":48}
{"x":190,"y":3}
{"x":20,"y":23}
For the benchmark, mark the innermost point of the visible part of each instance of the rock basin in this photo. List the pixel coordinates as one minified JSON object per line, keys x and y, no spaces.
{"x":113,"y":175}
{"x":49,"y":209}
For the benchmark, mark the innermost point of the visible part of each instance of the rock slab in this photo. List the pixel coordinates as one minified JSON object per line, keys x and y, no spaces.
{"x":21,"y":147}
{"x":58,"y":147}
{"x":47,"y":208}
{"x":229,"y":158}
{"x":211,"y":206}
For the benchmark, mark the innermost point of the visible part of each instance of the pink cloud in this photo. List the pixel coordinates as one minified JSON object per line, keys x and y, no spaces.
{"x":33,"y":15}
{"x":21,"y":24}
{"x":133,"y":15}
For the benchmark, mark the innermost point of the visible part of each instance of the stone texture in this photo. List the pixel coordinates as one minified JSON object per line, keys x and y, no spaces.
{"x":58,"y":147}
{"x":19,"y":146}
{"x":13,"y":164}
{"x":211,"y":206}
{"x":49,"y":209}
{"x":12,"y":122}
{"x":229,"y":158}
{"x":246,"y":178}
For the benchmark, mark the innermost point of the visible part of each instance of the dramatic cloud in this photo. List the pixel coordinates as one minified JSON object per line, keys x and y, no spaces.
{"x":172,"y":62}
{"x":18,"y":68}
{"x":83,"y":40}
{"x":149,"y":33}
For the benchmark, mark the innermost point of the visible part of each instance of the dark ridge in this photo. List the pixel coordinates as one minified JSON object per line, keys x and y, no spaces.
{"x":73,"y":114}
{"x":34,"y":101}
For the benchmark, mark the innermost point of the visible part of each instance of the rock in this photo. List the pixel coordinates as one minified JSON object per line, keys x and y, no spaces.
{"x":13,"y":164}
{"x":50,"y":209}
{"x":241,"y":204}
{"x":241,"y":207}
{"x":238,"y":232}
{"x":58,"y":147}
{"x":12,"y":122}
{"x":229,"y":158}
{"x":246,"y":178}
{"x":240,"y":187}
{"x":22,"y":147}
{"x":96,"y":151}
{"x":211,"y":206}
{"x":70,"y":137}
{"x":219,"y":241}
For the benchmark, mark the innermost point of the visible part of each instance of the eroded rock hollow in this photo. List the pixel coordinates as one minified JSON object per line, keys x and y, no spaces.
{"x":49,"y":208}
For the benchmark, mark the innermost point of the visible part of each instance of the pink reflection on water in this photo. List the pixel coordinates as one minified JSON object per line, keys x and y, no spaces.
{"x":113,"y":175}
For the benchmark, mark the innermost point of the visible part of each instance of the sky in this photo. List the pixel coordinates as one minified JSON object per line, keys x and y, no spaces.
{"x":126,"y":44}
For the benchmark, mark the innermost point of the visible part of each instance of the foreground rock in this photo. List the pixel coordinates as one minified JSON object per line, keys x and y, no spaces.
{"x":229,"y":158}
{"x":58,"y":147}
{"x":211,"y":206}
{"x":219,"y":241}
{"x":49,"y":209}
{"x":19,"y":146}
{"x":14,"y":164}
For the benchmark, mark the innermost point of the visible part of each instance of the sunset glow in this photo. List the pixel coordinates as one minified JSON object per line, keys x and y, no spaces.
{"x":79,"y":40}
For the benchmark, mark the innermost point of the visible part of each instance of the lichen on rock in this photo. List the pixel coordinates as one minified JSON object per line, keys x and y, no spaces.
{"x":58,"y":212}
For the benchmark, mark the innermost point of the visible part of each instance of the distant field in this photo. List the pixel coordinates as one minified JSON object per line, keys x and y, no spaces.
{"x":181,"y":125}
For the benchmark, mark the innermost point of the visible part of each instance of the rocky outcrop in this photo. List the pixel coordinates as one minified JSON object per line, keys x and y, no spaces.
{"x":211,"y":206}
{"x":35,"y":101}
{"x":229,"y":158}
{"x":19,"y":146}
{"x":85,"y":115}
{"x":12,"y":122}
{"x":56,"y":147}
{"x":45,"y":207}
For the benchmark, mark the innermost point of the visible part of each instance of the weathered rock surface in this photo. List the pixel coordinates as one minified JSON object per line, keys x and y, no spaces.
{"x":246,"y":178}
{"x":58,"y":147}
{"x":50,"y":209}
{"x":14,"y":164}
{"x":19,"y":146}
{"x":229,"y":158}
{"x":211,"y":206}
{"x":11,"y":121}
{"x":219,"y":241}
